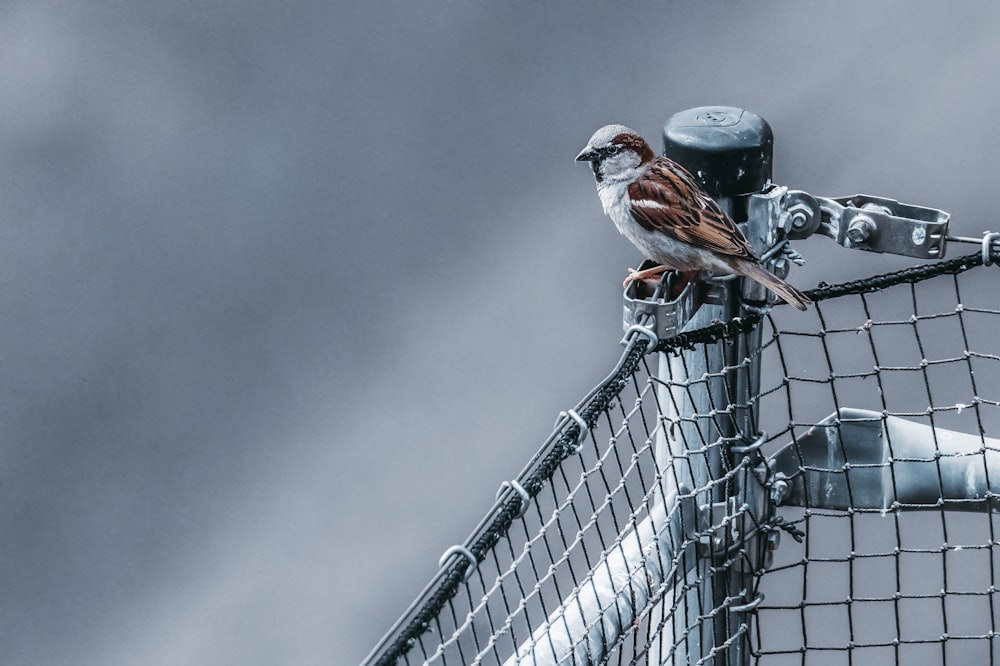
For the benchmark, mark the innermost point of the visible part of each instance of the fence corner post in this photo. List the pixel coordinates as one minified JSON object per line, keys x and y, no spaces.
{"x":729,"y":150}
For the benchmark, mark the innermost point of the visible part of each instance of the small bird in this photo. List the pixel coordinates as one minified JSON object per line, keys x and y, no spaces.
{"x":661,"y":208}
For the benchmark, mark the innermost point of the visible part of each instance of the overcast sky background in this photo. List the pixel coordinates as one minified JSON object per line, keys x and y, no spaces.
{"x":289,"y":288}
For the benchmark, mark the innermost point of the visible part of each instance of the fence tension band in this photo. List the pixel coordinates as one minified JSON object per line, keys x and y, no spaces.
{"x":464,"y":552}
{"x":519,"y":489}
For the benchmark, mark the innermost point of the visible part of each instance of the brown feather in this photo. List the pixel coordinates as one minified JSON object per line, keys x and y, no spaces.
{"x":787,"y":292}
{"x":636,"y":143}
{"x":685,"y":212}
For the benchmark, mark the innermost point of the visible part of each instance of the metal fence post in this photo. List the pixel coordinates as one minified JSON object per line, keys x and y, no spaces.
{"x":729,"y":150}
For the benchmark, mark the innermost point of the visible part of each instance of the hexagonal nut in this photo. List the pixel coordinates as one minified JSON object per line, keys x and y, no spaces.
{"x":800,"y":214}
{"x":861,"y":229}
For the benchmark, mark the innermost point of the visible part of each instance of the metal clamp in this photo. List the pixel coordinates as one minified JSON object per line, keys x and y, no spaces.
{"x":642,"y":330}
{"x":464,"y":552}
{"x":663,"y":317}
{"x":571,"y":413}
{"x":774,"y":217}
{"x":749,"y":606}
{"x":861,"y":221}
{"x":519,"y":489}
{"x":988,"y":238}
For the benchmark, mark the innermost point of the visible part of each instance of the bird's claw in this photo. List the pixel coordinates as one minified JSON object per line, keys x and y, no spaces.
{"x":652,"y":274}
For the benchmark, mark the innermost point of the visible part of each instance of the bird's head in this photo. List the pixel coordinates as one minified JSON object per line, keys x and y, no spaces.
{"x":616,"y":152}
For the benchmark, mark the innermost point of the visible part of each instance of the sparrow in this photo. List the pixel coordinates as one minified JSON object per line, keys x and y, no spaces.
{"x":659,"y":206}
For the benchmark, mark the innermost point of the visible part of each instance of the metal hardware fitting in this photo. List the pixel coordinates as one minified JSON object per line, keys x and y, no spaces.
{"x":519,"y":489}
{"x":571,"y":413}
{"x":642,"y":330}
{"x":753,"y":446}
{"x":718,"y":525}
{"x":779,"y":489}
{"x":985,"y":243}
{"x":862,"y":221}
{"x":771,"y":216}
{"x":664,"y":318}
{"x":773,"y":541}
{"x":988,"y":238}
{"x":749,"y":606}
{"x":464,"y":552}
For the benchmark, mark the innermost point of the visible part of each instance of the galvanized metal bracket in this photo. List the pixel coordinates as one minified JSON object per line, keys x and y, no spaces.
{"x":664,"y":318}
{"x":861,"y":221}
{"x":767,"y":228}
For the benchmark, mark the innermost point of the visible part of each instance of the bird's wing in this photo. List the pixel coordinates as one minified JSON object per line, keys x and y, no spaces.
{"x":667,"y":199}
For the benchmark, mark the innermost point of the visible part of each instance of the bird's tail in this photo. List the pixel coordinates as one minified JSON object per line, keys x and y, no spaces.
{"x":788,"y":293}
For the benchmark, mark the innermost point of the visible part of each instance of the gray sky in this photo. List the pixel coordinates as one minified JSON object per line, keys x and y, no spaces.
{"x":290,"y":288}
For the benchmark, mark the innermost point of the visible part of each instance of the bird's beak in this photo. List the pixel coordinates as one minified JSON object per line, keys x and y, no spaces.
{"x":588,"y":154}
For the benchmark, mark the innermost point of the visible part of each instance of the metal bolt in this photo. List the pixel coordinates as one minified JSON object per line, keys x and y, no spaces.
{"x":779,"y":491}
{"x":878,"y":208}
{"x":860,"y":229}
{"x":800,"y":214}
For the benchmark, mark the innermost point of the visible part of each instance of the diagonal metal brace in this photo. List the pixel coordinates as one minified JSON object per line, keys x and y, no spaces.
{"x":859,"y":459}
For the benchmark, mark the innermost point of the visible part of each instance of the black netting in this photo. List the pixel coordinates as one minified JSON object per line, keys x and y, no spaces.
{"x":670,"y":528}
{"x":907,"y":577}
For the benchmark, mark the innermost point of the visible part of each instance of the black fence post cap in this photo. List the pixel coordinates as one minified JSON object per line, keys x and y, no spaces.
{"x":727,"y":148}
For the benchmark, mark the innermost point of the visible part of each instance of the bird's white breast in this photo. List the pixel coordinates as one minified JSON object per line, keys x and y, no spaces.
{"x":655,"y":245}
{"x":614,"y":196}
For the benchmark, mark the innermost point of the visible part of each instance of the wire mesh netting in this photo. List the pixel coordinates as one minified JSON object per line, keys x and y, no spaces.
{"x":835,"y":510}
{"x":910,"y":577}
